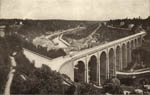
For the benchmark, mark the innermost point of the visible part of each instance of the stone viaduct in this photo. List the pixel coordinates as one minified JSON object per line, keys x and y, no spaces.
{"x":94,"y":65}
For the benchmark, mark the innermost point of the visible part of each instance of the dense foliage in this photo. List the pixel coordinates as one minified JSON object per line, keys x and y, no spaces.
{"x":127,"y":21}
{"x":7,"y":46}
{"x":89,"y":89}
{"x":27,"y":79}
{"x":138,"y":22}
{"x":82,"y":33}
{"x":144,"y":56}
{"x":109,"y":34}
{"x":4,"y":64}
{"x":31,"y":80}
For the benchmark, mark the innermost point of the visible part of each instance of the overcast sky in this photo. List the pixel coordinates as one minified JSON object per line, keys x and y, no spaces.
{"x":74,"y":9}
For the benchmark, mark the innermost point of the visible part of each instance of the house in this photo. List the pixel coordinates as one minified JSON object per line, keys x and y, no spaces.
{"x":2,"y":31}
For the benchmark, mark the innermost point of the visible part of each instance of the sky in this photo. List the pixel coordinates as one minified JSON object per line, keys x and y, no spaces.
{"x":74,"y":9}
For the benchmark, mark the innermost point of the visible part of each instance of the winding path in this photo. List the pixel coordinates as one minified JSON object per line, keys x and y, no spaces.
{"x":10,"y":76}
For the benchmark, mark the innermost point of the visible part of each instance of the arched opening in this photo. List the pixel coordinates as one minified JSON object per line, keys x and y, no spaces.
{"x":124,"y":65}
{"x":132,"y":48}
{"x":136,"y":43}
{"x":103,"y":72}
{"x":118,"y":58}
{"x":128,"y":53}
{"x":79,"y":72}
{"x":132,"y":45}
{"x":111,"y":63}
{"x":92,"y":65}
{"x":139,"y":41}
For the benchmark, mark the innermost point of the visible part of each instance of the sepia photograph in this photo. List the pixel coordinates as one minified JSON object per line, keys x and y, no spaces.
{"x":74,"y":47}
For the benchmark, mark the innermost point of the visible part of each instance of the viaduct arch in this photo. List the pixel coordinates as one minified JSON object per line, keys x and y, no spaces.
{"x":93,"y":65}
{"x":79,"y":71}
{"x":103,"y":67}
{"x":101,"y":62}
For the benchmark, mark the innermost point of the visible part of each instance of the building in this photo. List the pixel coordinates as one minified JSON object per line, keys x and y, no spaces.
{"x":2,"y":31}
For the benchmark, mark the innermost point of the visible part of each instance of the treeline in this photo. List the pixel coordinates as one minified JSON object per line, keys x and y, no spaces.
{"x":135,"y":21}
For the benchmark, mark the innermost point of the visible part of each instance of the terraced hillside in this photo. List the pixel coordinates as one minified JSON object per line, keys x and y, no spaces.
{"x":109,"y":34}
{"x":94,"y":35}
{"x":81,"y":33}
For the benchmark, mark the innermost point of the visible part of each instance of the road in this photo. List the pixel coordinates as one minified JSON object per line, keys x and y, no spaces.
{"x":64,"y":31}
{"x":10,"y":76}
{"x":95,"y":30}
{"x":61,"y":43}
